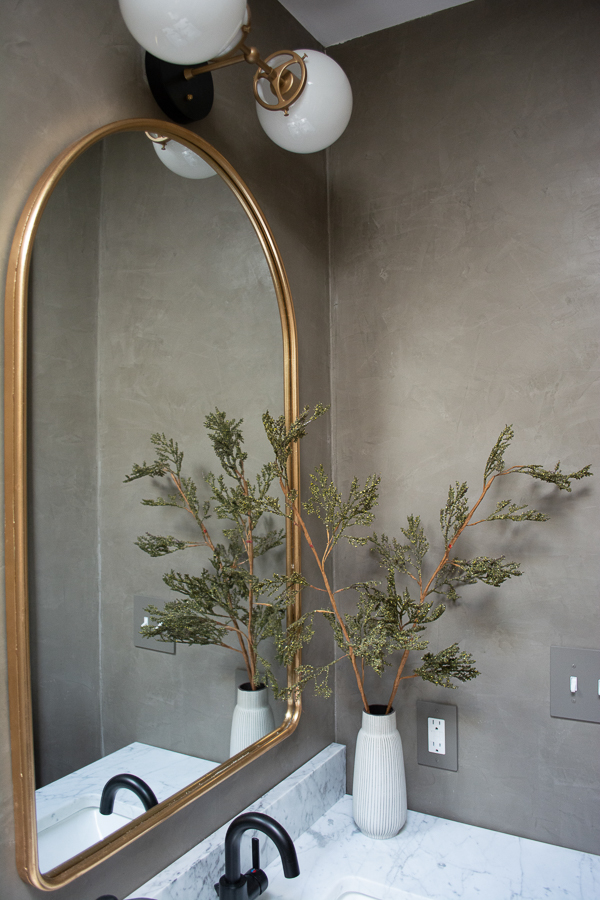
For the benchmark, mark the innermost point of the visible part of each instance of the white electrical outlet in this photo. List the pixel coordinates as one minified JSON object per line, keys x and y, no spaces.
{"x":436,"y":735}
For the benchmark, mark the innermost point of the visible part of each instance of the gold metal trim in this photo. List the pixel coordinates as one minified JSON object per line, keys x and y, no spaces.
{"x":285,"y":86}
{"x":15,"y":399}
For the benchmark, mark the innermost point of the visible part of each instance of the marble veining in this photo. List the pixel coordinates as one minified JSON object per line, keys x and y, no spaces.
{"x":165,"y":771}
{"x":297,"y":802}
{"x":431,"y":858}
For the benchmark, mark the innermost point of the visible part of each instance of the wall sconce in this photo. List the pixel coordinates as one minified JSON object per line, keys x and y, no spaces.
{"x":303,"y":98}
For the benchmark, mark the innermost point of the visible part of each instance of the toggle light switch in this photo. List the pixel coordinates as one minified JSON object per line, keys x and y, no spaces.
{"x":141,"y":618}
{"x":575,"y":683}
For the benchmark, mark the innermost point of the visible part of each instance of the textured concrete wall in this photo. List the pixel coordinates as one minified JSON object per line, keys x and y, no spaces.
{"x":66,"y":69}
{"x":63,"y":476}
{"x":465,"y":227}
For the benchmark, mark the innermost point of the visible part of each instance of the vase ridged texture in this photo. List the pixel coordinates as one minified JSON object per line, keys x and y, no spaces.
{"x":252,"y":719}
{"x":379,"y":788}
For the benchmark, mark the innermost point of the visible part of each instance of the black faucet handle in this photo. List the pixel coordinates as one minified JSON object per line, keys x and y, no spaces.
{"x":255,"y":853}
{"x":256,"y":879}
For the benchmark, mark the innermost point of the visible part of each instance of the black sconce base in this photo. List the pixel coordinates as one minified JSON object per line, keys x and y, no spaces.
{"x":182,"y":101}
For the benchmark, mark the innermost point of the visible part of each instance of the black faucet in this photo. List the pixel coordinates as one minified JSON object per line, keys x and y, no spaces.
{"x":235,"y":886}
{"x":132,"y":783}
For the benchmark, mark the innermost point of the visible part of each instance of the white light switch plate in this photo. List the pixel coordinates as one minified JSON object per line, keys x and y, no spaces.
{"x":575,"y":683}
{"x":139,"y":616}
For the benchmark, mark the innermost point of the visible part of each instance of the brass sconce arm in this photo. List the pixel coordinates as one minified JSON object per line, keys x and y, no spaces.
{"x":284,"y":84}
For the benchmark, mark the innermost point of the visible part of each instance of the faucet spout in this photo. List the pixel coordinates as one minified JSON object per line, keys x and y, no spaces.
{"x":235,"y":886}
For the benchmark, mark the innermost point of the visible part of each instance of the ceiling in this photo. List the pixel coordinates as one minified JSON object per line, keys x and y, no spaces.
{"x":336,"y":21}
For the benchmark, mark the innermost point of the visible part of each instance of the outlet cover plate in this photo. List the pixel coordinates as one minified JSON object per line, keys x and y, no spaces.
{"x":449,"y":713}
{"x":139,"y":605}
{"x":584,"y":704}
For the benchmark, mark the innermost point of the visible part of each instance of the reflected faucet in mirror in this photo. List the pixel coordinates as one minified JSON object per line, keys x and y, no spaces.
{"x":131,"y":783}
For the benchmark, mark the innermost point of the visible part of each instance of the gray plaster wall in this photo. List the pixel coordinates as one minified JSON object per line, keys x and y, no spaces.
{"x":63,"y":476}
{"x":188,"y":322}
{"x":68,"y":68}
{"x":465,"y":277}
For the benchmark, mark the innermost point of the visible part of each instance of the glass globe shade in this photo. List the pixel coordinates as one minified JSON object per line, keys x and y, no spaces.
{"x":239,"y":36}
{"x":320,"y":114}
{"x":184,"y":32}
{"x":183,"y":161}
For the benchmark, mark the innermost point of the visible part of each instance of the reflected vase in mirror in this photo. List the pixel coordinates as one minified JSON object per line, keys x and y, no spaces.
{"x":252,"y":717}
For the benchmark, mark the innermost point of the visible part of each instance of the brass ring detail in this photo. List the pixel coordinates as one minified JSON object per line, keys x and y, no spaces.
{"x":286,"y":86}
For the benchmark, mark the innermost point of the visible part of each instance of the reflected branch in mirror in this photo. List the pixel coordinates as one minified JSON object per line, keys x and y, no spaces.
{"x":226,"y":601}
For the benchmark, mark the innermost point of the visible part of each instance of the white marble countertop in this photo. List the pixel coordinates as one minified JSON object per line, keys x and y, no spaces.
{"x":431,"y":858}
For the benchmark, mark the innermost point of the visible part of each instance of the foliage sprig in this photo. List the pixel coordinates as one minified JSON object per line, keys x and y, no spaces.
{"x":387,"y":624}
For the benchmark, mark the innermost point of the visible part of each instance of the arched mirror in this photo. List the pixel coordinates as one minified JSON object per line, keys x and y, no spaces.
{"x":138,"y":302}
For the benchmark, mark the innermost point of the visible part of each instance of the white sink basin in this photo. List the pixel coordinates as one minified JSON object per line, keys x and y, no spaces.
{"x":400,"y":895}
{"x":356,"y":888}
{"x":75,"y":833}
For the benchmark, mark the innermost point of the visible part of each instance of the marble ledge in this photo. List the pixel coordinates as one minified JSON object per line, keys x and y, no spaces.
{"x":432,"y":859}
{"x":298,"y":802}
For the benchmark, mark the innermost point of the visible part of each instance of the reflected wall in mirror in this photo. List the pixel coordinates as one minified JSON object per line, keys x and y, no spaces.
{"x":153,"y":300}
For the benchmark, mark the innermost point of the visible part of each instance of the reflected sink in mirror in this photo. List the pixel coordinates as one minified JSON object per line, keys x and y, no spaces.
{"x":74,"y":833}
{"x":68,"y":815}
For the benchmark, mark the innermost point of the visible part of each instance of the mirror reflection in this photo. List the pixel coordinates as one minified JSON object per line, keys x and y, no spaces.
{"x":151,"y":304}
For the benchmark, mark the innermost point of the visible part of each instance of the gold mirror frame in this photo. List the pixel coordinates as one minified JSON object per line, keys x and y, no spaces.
{"x":15,"y":415}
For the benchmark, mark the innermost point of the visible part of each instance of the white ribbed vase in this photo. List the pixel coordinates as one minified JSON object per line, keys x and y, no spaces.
{"x":379,"y":791}
{"x":252,"y":717}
